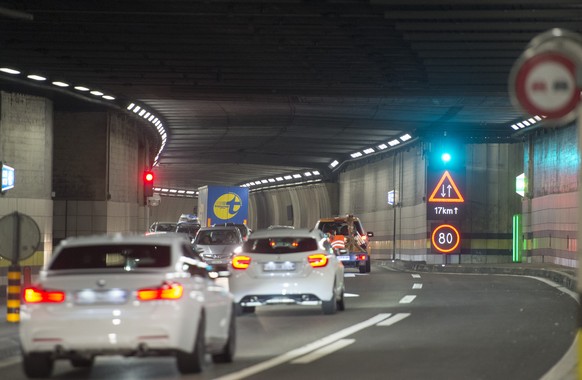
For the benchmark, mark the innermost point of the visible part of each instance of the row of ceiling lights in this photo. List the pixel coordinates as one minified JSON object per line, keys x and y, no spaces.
{"x":527,"y":122}
{"x":149,"y":116}
{"x":140,"y":111}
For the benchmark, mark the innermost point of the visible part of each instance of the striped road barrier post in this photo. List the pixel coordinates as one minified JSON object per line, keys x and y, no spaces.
{"x":13,"y":294}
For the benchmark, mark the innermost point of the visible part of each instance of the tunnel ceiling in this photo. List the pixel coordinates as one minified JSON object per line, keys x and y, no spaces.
{"x":250,"y":89}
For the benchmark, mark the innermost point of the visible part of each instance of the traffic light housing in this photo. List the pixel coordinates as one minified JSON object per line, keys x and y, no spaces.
{"x":148,"y":183}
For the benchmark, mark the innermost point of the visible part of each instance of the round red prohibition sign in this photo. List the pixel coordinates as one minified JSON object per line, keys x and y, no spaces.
{"x":445,"y":238}
{"x":545,"y":84}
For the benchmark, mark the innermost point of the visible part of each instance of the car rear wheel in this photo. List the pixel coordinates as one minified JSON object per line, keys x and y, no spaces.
{"x":193,"y":362}
{"x":341,"y":306}
{"x":83,"y":362}
{"x":330,"y":307}
{"x":227,"y":354}
{"x":240,"y":310}
{"x":368,"y":265}
{"x":37,"y":365}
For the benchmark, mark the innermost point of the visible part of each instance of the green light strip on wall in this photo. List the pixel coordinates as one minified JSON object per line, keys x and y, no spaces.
{"x":516,"y":238}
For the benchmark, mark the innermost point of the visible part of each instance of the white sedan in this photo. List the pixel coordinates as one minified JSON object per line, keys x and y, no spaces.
{"x":125,"y":295}
{"x":287,"y":266}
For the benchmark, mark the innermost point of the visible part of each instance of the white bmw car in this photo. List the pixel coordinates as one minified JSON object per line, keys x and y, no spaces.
{"x":287,"y":266}
{"x":125,"y":295}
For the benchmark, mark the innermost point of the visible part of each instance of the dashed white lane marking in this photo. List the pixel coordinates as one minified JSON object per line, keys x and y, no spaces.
{"x":10,"y":361}
{"x":349,"y":275}
{"x":293,"y":354}
{"x":417,"y":286}
{"x":415,"y":275}
{"x":392,"y":320}
{"x":407,"y":299}
{"x":323,"y":351}
{"x":351,"y":295}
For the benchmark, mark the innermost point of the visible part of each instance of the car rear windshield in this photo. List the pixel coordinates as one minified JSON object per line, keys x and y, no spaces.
{"x":339,"y":228}
{"x":128,"y":257}
{"x":280,"y":245}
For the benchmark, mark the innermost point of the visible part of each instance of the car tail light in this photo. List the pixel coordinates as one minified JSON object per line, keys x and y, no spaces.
{"x":39,"y":295}
{"x":318,"y":260}
{"x":361,"y":257}
{"x":168,"y":291}
{"x":241,"y":262}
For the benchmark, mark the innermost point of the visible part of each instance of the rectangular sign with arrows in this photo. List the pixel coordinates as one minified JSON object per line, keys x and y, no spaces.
{"x":445,"y":195}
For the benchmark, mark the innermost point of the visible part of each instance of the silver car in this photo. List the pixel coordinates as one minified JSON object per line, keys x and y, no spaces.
{"x":217,"y":245}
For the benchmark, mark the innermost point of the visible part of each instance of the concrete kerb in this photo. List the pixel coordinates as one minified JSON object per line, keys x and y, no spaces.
{"x":564,"y":276}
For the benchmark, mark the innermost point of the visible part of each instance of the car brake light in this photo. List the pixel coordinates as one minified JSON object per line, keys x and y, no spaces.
{"x":241,"y":262}
{"x":318,"y":260}
{"x":361,"y":257}
{"x":39,"y":295}
{"x":168,"y":291}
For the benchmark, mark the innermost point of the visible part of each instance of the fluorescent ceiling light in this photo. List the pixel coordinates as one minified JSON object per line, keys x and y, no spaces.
{"x":520,"y":125}
{"x":526,"y":123}
{"x":307,"y":174}
{"x":8,"y":70}
{"x":271,"y":180}
{"x":288,"y":177}
{"x":83,"y":88}
{"x":405,"y":137}
{"x":181,"y":191}
{"x":96,"y":93}
{"x":264,"y":181}
{"x":532,"y":120}
{"x":142,"y":112}
{"x":136,"y":109}
{"x":36,"y":77}
{"x":356,"y":155}
{"x":537,"y":118}
{"x":393,"y":142}
{"x":129,"y":107}
{"x":146,"y":115}
{"x":369,"y":151}
{"x":108,"y":97}
{"x":382,"y":146}
{"x":151,"y":118}
{"x":279,"y":179}
{"x":315,"y":172}
{"x":296,"y":176}
{"x":60,"y":84}
{"x":173,"y":191}
{"x":515,"y":127}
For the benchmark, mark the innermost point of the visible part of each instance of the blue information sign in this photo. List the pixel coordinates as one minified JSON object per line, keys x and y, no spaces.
{"x":7,"y":177}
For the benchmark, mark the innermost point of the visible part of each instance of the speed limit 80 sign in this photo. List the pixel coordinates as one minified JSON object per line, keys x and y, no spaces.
{"x":445,"y":238}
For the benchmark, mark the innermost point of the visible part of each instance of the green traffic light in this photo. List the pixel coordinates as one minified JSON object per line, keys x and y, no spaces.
{"x":446,"y":157}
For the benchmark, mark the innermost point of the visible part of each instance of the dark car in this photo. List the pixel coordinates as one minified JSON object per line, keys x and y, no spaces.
{"x":188,"y":228}
{"x":245,"y":231}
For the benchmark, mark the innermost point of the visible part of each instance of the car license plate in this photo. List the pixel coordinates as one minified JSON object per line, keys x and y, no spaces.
{"x":344,"y":258}
{"x":278,"y":266}
{"x":92,"y":297}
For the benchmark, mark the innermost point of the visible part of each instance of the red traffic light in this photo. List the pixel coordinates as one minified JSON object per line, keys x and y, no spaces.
{"x":148,"y":176}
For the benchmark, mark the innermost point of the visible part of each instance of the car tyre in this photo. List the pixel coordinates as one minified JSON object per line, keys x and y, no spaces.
{"x":341,"y":305}
{"x":362,"y":268}
{"x":240,"y":310}
{"x":330,"y":307}
{"x":368,"y":265}
{"x":83,"y":362}
{"x":227,"y":353}
{"x":193,"y":362}
{"x":37,"y":365}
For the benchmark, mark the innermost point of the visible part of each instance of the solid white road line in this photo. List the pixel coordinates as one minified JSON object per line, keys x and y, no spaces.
{"x":407,"y":299}
{"x":293,"y":354}
{"x":323,"y":351}
{"x":417,"y":286}
{"x":392,"y":320}
{"x":415,"y":276}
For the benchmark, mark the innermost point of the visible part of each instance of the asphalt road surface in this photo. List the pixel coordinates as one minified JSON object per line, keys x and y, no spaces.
{"x":396,"y":325}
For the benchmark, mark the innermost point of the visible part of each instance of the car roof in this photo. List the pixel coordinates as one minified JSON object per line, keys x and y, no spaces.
{"x":165,"y":239}
{"x":287,"y":232}
{"x":339,"y":219}
{"x":220,"y":228}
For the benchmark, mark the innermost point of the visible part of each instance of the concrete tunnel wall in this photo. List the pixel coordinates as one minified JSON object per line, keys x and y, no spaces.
{"x":53,"y":153}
